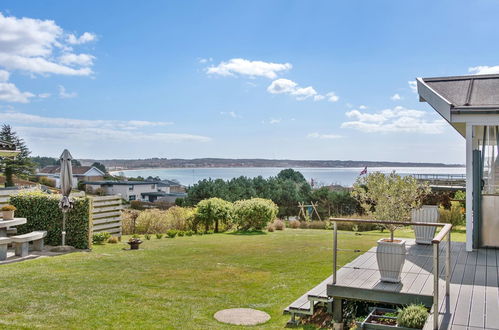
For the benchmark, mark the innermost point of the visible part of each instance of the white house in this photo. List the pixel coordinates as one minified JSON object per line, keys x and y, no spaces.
{"x":129,"y":190}
{"x":470,"y":104}
{"x":80,"y":173}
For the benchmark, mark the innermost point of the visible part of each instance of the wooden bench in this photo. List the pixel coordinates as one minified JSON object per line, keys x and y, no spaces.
{"x":4,"y":241}
{"x":21,"y":242}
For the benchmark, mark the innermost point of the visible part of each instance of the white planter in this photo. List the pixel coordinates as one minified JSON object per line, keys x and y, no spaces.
{"x":427,"y":213}
{"x":391,"y":258}
{"x":8,"y":215}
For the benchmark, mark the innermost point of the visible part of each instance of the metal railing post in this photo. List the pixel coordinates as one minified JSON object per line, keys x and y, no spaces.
{"x":447,"y":266}
{"x":435,"y":285}
{"x":335,"y":249}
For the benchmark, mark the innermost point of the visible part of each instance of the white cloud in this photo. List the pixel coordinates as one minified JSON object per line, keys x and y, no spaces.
{"x":413,"y":85}
{"x":76,"y":131}
{"x":483,"y":69}
{"x":9,"y":92}
{"x":77,"y":59}
{"x":319,"y":97}
{"x":63,"y":94}
{"x":316,"y":135}
{"x":230,"y":114}
{"x":34,"y":45}
{"x":241,"y":66}
{"x":396,"y":97}
{"x":332,"y":97}
{"x":205,"y":60}
{"x":84,"y":38}
{"x":286,"y":86}
{"x":362,"y":107}
{"x":273,"y":121}
{"x":398,"y":119}
{"x":44,"y":95}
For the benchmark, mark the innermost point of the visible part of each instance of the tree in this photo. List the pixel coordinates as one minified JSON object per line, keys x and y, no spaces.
{"x":389,"y":197}
{"x":20,"y":166}
{"x":100,"y":166}
{"x":41,"y":161}
{"x":213,"y":211}
{"x":254,"y":213}
{"x":290,"y":174}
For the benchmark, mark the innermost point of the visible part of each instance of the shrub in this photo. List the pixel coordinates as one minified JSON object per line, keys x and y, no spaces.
{"x":159,"y":236}
{"x":412,"y":316}
{"x":455,"y":215}
{"x":181,"y":233}
{"x":43,"y":213}
{"x":213,"y":212}
{"x":189,"y":233}
{"x":8,"y":207}
{"x":279,"y":225}
{"x":208,"y":232}
{"x":136,"y":205}
{"x":171,"y":233}
{"x":100,"y":238}
{"x":47,"y":182}
{"x":294,"y":224}
{"x":128,"y":221}
{"x":270,"y":228}
{"x":113,"y":240}
{"x":147,"y":237}
{"x":254,"y":213}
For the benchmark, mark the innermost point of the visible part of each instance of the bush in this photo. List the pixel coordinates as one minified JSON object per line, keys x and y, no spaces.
{"x":155,"y":221}
{"x":412,"y":316}
{"x":137,"y":205}
{"x":279,"y":224}
{"x":189,"y":233}
{"x":100,"y":238}
{"x":171,"y":233}
{"x":159,"y":236}
{"x":270,"y":228}
{"x":43,"y":213}
{"x":455,"y":215}
{"x":181,"y":233}
{"x":147,"y":237}
{"x":254,"y":213}
{"x":212,"y":212}
{"x":47,"y":182}
{"x":294,"y":224}
{"x":113,"y":240}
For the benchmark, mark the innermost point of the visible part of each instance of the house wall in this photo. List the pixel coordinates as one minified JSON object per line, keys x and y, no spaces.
{"x":127,"y":192}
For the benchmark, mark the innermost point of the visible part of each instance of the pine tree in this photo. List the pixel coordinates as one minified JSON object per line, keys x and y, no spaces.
{"x":20,"y":166}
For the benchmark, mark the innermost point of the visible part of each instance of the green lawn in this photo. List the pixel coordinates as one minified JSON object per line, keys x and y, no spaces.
{"x":173,"y":283}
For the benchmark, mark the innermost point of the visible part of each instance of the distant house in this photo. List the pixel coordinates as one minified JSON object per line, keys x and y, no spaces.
{"x":149,"y":191}
{"x":80,"y":173}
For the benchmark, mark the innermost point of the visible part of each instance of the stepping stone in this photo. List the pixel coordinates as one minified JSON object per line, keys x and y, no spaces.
{"x":242,"y":316}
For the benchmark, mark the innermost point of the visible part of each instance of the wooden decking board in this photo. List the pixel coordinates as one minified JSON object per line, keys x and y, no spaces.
{"x":477,"y":313}
{"x":491,"y":257}
{"x":463,"y":304}
{"x":492,"y":298}
{"x":481,"y":257}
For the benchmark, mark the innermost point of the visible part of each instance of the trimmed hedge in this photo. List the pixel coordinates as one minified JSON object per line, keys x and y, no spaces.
{"x":43,"y":213}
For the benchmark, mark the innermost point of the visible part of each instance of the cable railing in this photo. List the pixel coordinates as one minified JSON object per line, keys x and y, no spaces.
{"x":445,"y":232}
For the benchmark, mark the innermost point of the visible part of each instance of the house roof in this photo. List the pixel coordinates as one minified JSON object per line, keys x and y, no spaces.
{"x":162,"y":193}
{"x":168,"y":183}
{"x":465,"y":94}
{"x":119,"y":183}
{"x":77,"y":170}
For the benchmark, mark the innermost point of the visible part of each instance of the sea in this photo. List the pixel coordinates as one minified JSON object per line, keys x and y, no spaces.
{"x":320,"y":176}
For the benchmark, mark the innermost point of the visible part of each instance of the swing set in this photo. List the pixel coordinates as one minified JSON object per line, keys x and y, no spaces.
{"x":307,"y":211}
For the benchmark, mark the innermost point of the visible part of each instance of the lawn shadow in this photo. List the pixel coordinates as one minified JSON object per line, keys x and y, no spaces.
{"x":248,"y":233}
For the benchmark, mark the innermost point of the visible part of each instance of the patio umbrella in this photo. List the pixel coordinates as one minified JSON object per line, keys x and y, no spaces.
{"x":66,"y":182}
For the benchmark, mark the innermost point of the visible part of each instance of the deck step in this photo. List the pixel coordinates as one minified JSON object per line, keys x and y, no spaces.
{"x":303,"y":305}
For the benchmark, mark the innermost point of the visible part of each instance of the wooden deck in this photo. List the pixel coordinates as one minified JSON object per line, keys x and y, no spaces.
{"x":474,"y":292}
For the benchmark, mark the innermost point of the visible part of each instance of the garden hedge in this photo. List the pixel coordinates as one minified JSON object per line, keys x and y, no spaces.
{"x":43,"y":213}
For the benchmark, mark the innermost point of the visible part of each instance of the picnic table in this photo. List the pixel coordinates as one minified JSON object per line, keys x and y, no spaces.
{"x":4,"y":224}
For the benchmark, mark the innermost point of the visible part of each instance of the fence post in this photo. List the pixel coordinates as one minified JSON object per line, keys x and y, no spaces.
{"x":447,"y":266}
{"x":435,"y":285}
{"x":335,"y":249}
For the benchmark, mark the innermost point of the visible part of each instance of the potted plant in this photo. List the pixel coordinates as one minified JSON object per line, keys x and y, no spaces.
{"x":428,"y":212}
{"x":389,"y":197}
{"x":408,"y":318}
{"x":134,"y":243}
{"x":8,"y":212}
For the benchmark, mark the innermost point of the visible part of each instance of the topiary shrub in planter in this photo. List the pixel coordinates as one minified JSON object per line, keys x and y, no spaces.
{"x":412,"y":316}
{"x":43,"y":213}
{"x":255,"y":213}
{"x":389,"y":197}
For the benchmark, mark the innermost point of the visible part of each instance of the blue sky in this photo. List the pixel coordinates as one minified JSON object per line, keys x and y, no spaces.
{"x":269,"y":79}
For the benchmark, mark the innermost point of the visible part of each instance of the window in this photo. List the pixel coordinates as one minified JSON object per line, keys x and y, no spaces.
{"x":131,"y":197}
{"x":153,"y":186}
{"x":130,"y":188}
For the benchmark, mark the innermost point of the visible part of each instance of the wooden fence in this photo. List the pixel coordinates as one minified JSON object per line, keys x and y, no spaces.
{"x":106,"y":215}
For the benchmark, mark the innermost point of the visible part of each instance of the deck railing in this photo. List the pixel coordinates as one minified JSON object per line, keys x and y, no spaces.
{"x":444,"y":232}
